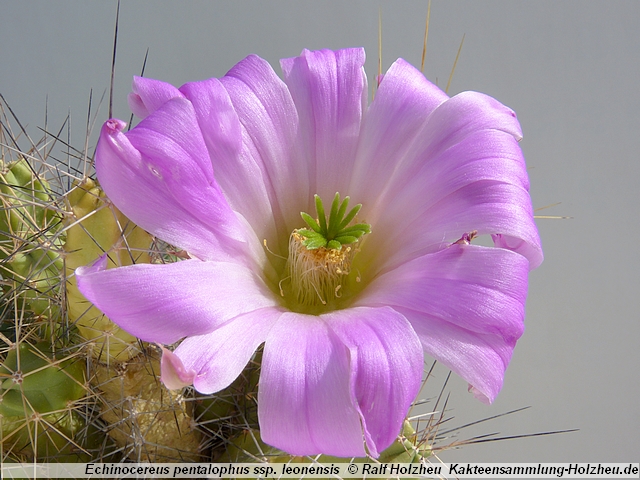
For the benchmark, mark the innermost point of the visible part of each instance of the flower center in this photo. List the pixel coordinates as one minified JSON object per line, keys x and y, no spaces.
{"x":320,"y":256}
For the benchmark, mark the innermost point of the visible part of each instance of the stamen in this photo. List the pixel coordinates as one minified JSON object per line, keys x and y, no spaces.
{"x":280,"y":285}
{"x":264,"y":242}
{"x":317,"y":274}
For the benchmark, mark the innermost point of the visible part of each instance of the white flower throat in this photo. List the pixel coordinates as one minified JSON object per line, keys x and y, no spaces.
{"x":320,"y":256}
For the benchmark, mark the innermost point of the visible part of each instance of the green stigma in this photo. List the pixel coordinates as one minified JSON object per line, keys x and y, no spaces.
{"x":334,"y":232}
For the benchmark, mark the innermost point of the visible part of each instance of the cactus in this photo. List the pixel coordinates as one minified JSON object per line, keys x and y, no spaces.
{"x":33,"y":382}
{"x":147,"y":421}
{"x":47,"y":409}
{"x":43,"y":393}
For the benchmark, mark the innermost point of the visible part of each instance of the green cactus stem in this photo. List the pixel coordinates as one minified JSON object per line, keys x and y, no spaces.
{"x":55,"y":437}
{"x":36,"y":276}
{"x":33,"y":381}
{"x":40,"y":398}
{"x":230,"y":411}
{"x":247,"y":446}
{"x":30,"y":239}
{"x":26,"y":199}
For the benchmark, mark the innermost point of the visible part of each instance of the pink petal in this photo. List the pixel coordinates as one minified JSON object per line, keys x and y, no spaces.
{"x":173,"y":372}
{"x":468,"y":173}
{"x":530,"y":249}
{"x":241,"y":176}
{"x":398,"y":113}
{"x":488,"y":208}
{"x":269,"y":162}
{"x":386,"y":368}
{"x":462,"y":300}
{"x":480,"y":359}
{"x":219,"y":357}
{"x":304,"y":398}
{"x":164,"y":303}
{"x":149,"y":95}
{"x":330,"y":92}
{"x":160,"y":176}
{"x":482,"y":289}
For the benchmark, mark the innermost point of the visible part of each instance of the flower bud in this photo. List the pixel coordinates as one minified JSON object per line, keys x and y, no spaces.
{"x":406,"y":448}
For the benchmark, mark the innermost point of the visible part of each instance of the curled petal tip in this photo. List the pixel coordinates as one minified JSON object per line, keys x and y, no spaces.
{"x":479,"y":395}
{"x":113,"y":126}
{"x":173,"y":373}
{"x":98,"y":265}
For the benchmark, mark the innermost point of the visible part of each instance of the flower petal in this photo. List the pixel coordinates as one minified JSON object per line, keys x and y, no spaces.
{"x":480,"y":359}
{"x":481,"y":289}
{"x":160,"y":176}
{"x":330,"y":92}
{"x":468,"y":174}
{"x":164,"y":303}
{"x":386,"y":368}
{"x":269,"y":125}
{"x":467,"y":298}
{"x":149,"y":95}
{"x":239,"y":174}
{"x":219,"y":357}
{"x":304,"y":400}
{"x":483,"y":206}
{"x":401,"y":106}
{"x":173,"y":372}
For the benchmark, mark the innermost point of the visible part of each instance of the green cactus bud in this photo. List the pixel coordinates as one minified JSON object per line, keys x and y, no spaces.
{"x":95,"y":226}
{"x":33,"y":382}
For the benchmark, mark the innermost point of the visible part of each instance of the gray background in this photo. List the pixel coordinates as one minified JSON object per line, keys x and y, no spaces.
{"x":570,"y":70}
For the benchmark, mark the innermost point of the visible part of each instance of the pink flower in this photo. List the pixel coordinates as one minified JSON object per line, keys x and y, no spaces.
{"x":222,"y":167}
